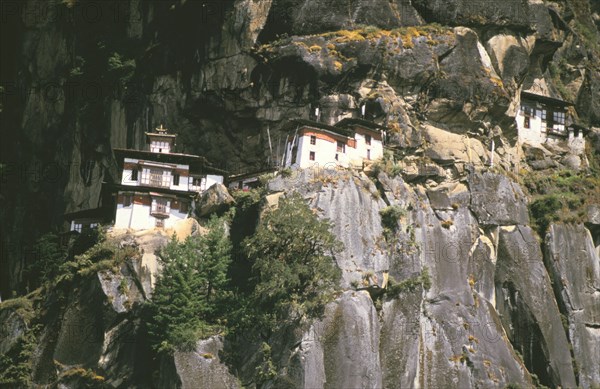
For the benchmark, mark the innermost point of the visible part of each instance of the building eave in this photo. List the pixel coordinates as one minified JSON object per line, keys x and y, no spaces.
{"x":197,"y":163}
{"x":545,"y":99}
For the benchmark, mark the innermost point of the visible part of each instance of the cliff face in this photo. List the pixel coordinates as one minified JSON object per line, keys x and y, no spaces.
{"x":85,"y":77}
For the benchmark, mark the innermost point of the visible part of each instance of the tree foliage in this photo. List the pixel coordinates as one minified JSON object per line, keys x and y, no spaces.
{"x":293,"y":265}
{"x":189,"y":294}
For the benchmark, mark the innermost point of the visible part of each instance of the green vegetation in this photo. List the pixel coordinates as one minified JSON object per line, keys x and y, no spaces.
{"x":120,"y":67}
{"x":390,"y":218}
{"x":386,"y":165}
{"x":265,"y":369}
{"x":15,"y":365}
{"x":394,"y":288}
{"x":245,"y":200}
{"x":560,"y":196}
{"x":190,"y":293}
{"x":53,"y":270}
{"x":48,"y":256}
{"x":292,"y":255}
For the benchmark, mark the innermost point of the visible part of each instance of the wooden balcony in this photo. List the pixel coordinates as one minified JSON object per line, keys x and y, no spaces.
{"x":160,"y":210}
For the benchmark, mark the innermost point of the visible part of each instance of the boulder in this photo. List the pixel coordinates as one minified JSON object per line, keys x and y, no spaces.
{"x":445,"y":147}
{"x":215,"y":199}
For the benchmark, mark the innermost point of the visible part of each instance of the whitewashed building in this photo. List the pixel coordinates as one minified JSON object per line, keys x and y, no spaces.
{"x":543,"y":119}
{"x":158,"y":186}
{"x":349,"y":143}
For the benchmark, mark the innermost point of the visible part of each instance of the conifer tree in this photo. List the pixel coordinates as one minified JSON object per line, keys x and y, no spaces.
{"x":189,"y":291}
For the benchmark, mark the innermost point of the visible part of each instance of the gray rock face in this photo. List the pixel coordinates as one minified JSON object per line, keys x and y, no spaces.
{"x":593,"y":214}
{"x":342,"y":350}
{"x":525,"y":301}
{"x":12,"y":326}
{"x":575,"y":269}
{"x":299,"y":17}
{"x":495,"y":200}
{"x":469,"y":13}
{"x":202,"y":367}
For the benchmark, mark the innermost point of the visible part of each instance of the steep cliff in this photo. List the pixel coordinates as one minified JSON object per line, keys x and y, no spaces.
{"x":505,"y":305}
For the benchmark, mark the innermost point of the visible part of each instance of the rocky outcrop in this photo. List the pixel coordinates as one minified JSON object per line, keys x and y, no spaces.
{"x":215,"y":199}
{"x":534,"y":318}
{"x":574,"y":265}
{"x":203,"y":367}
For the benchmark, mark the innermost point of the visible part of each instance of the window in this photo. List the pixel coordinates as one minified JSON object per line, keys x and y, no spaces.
{"x":77,"y":227}
{"x":176,"y":179}
{"x":340,"y":146}
{"x":126,"y":200}
{"x":527,"y":115}
{"x":559,"y":117}
{"x":313,"y":139}
{"x":159,"y":223}
{"x":156,"y":178}
{"x":369,"y":154}
{"x":368,"y":140}
{"x":311,"y":156}
{"x":134,"y":174}
{"x":93,"y":225}
{"x":160,"y":206}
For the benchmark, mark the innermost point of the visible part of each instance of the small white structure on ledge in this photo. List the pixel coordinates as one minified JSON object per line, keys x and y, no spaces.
{"x":349,"y":143}
{"x":158,"y":186}
{"x":543,"y":119}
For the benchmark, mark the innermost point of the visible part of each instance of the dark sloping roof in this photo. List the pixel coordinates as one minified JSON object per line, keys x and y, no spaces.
{"x":322,"y":126}
{"x":143,"y":188}
{"x":360,"y":122}
{"x":545,"y":99}
{"x":197,"y":163}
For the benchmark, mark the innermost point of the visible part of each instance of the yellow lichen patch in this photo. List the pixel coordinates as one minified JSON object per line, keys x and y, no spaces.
{"x":497,"y":82}
{"x":338,"y":65}
{"x":314,"y":48}
{"x":471,"y":280}
{"x":331,"y":46}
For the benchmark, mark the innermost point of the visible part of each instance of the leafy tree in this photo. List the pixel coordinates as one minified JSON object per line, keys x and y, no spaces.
{"x":191,"y":289}
{"x":292,"y":254}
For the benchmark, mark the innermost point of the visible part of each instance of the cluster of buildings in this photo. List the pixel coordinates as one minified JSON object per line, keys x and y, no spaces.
{"x":158,"y":187}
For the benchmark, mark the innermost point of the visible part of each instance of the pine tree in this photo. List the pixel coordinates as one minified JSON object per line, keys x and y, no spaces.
{"x":189,"y":291}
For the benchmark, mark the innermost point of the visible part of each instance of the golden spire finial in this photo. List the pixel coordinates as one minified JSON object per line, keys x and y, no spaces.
{"x":161,"y":129}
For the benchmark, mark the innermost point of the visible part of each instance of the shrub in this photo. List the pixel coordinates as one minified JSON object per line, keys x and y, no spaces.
{"x":395,"y":288}
{"x":544,"y":211}
{"x":447,"y":223}
{"x":286,"y":172}
{"x":390,"y":216}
